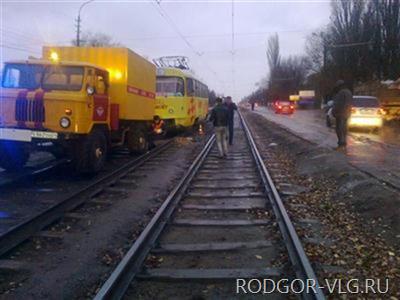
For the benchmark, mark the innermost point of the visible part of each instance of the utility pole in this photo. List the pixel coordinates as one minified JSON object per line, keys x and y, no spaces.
{"x":78,"y":23}
{"x":78,"y":30}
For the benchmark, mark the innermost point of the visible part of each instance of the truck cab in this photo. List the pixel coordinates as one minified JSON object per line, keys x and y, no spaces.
{"x":64,"y":103}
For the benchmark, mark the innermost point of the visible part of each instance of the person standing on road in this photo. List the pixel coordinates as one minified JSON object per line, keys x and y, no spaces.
{"x":231,"y":106}
{"x":341,"y":111}
{"x":219,"y":117}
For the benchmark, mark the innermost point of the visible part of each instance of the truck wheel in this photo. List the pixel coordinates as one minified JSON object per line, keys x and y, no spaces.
{"x":13,"y":155}
{"x":137,"y":141}
{"x":58,"y":153}
{"x":91,"y":153}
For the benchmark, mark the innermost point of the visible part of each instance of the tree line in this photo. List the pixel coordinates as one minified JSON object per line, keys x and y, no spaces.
{"x":361,"y":43}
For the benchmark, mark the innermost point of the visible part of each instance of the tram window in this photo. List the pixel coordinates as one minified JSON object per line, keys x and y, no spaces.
{"x":205,"y":92}
{"x":202,"y":90}
{"x":170,"y":86}
{"x":190,"y":86}
{"x":197,"y":88}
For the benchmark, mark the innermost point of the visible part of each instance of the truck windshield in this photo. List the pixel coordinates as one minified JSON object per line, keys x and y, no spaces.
{"x":30,"y":76}
{"x":63,"y":78}
{"x":170,"y":86}
{"x":22,"y":76}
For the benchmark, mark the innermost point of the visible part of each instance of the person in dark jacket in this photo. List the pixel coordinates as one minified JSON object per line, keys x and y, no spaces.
{"x":231,"y":115}
{"x":341,"y":111}
{"x":219,"y":116}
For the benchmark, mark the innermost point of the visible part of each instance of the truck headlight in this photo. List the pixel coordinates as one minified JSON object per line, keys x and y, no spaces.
{"x":65,"y":122}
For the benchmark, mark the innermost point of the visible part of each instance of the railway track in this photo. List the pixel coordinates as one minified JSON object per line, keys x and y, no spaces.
{"x":224,"y":220}
{"x":56,"y":209}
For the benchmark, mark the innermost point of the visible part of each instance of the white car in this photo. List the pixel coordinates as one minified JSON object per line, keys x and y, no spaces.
{"x":365,"y":112}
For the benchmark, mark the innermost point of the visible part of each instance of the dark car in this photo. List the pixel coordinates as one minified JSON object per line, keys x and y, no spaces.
{"x":283,"y":107}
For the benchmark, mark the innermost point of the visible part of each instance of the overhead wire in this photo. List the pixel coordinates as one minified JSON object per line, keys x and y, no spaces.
{"x":163,"y":13}
{"x":20,"y":49}
{"x":19,"y":35}
{"x":173,"y":25}
{"x":24,"y":38}
{"x":218,"y":35}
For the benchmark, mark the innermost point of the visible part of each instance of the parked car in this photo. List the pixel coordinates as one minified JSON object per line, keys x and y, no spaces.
{"x":365,"y":113}
{"x":283,"y":107}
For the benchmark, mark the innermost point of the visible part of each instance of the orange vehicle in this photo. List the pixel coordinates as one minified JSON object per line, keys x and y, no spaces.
{"x":283,"y":107}
{"x":76,"y":102}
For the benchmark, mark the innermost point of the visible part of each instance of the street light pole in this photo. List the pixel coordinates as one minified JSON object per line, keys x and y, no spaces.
{"x":78,"y":23}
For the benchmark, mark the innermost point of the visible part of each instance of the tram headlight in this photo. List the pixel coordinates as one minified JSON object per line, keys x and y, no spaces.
{"x":65,"y":122}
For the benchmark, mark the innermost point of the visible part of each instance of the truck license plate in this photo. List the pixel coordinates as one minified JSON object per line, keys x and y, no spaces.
{"x":44,"y":135}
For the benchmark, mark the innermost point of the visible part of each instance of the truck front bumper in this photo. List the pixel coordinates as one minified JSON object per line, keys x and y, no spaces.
{"x":26,"y":135}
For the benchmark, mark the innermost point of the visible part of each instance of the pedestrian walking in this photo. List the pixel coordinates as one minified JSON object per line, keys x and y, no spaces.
{"x":341,"y":111}
{"x":231,"y":106}
{"x":252,"y":105}
{"x":219,"y":117}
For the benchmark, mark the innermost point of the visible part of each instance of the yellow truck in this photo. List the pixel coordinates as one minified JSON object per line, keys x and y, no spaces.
{"x":76,"y":101}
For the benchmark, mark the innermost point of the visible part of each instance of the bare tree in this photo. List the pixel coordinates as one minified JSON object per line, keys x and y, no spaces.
{"x":361,"y":43}
{"x":387,"y":18}
{"x":316,"y":49}
{"x":273,"y":55}
{"x":286,"y":75}
{"x":98,"y":39}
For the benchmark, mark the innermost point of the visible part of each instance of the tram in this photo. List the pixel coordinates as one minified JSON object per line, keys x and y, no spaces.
{"x":181,"y":99}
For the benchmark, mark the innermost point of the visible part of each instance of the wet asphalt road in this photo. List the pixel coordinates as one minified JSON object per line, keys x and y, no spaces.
{"x":375,"y":153}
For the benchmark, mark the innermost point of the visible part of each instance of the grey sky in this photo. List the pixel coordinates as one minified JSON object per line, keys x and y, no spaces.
{"x":26,"y":26}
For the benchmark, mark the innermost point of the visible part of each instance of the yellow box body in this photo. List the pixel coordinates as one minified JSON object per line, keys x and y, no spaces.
{"x":184,"y":110}
{"x":132,"y":77}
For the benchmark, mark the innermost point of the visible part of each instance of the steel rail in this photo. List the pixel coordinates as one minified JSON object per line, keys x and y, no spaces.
{"x":23,"y":231}
{"x":298,"y":257}
{"x":131,"y":264}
